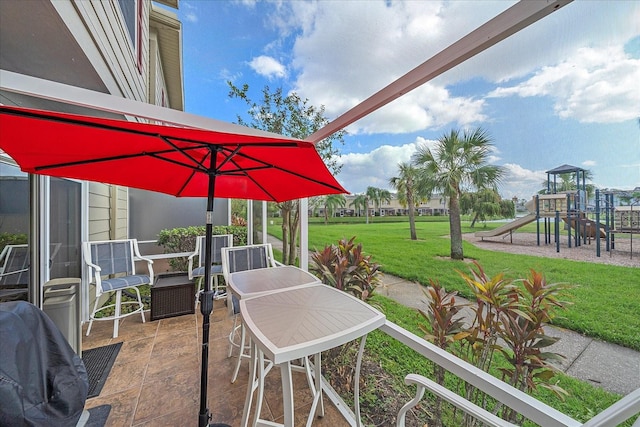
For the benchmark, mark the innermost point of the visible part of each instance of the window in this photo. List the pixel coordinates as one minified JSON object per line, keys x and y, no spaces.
{"x":14,"y":231}
{"x":132,"y":13}
{"x":64,"y":228}
{"x":61,"y":232}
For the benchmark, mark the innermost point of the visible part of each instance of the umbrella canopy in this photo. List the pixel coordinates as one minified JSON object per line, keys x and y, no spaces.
{"x":234,"y":162}
{"x":173,"y":160}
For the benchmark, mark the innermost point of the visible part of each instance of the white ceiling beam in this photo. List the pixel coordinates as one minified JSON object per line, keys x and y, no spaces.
{"x":512,"y":20}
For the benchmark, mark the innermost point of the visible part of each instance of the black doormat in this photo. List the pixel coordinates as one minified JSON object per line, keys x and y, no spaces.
{"x":98,"y":416}
{"x":98,"y":362}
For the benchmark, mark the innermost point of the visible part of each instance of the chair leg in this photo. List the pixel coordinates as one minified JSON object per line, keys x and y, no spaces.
{"x":141,"y":304}
{"x":218,"y":292}
{"x":232,"y":335}
{"x":93,"y":313}
{"x":198,"y":289}
{"x":116,"y":320}
{"x":241,"y":353}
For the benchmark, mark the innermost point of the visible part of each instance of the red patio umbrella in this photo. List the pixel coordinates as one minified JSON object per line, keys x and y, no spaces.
{"x":235,"y":162}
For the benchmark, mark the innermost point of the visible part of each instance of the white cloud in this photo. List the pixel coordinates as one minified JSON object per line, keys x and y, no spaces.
{"x":596,"y":85}
{"x":268,"y":67}
{"x":361,"y":170}
{"x":521,"y":182}
{"x":589,"y":163}
{"x":190,"y":14}
{"x":344,"y":53}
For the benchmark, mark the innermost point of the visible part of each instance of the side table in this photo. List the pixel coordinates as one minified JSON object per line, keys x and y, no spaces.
{"x":172,"y":294}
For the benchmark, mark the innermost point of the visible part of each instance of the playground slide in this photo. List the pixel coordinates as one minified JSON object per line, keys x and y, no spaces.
{"x":517,"y":223}
{"x":590,"y":227}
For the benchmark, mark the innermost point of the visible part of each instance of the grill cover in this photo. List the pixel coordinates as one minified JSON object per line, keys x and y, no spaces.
{"x":43,"y":382}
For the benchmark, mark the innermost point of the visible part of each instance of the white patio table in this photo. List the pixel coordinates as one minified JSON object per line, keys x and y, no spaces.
{"x":251,"y":283}
{"x":295,"y":323}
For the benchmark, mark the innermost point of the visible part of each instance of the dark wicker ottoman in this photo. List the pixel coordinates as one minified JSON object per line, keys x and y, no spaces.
{"x":172,"y":294}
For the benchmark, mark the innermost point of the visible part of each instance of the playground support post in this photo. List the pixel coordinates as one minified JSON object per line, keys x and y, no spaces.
{"x":538,"y":218}
{"x":569,"y":221}
{"x":597,"y":234}
{"x":557,"y":232}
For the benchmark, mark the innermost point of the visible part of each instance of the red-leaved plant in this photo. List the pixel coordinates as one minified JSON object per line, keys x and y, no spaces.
{"x":344,"y":266}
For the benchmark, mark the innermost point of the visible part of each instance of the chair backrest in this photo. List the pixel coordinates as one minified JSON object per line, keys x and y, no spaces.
{"x":249,"y":257}
{"x":112,"y":256}
{"x":218,"y":241}
{"x":14,"y":265}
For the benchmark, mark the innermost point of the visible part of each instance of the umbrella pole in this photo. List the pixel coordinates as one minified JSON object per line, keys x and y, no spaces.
{"x":206,"y":303}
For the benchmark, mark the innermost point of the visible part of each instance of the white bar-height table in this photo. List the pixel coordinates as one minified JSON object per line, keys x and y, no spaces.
{"x":298,"y":322}
{"x":251,"y":283}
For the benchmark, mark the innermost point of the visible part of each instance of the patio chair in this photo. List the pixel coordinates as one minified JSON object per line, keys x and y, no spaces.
{"x":217,"y":243}
{"x":14,"y":272}
{"x":111,"y":258}
{"x":242,"y":258}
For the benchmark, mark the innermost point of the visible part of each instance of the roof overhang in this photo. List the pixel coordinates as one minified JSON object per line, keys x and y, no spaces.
{"x":170,"y":3}
{"x":169,"y":32}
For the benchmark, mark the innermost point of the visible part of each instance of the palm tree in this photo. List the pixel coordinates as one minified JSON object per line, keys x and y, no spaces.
{"x":372,"y":196}
{"x":410,"y":190}
{"x":457,"y":162}
{"x":331,"y":202}
{"x":360,"y":202}
{"x":377,"y":196}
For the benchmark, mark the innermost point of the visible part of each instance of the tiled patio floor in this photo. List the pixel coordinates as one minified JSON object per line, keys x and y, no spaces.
{"x":155,"y":379}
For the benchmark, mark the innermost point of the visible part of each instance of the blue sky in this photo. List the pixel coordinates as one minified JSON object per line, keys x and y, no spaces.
{"x":565,"y":90}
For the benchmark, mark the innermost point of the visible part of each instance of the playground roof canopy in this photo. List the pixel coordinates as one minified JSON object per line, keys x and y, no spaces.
{"x":565,"y":169}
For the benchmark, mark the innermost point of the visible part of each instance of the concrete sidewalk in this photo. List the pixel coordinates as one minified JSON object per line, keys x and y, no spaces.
{"x":612,"y":367}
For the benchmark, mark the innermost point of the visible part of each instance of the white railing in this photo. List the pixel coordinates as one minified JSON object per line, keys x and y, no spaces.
{"x":515,"y":399}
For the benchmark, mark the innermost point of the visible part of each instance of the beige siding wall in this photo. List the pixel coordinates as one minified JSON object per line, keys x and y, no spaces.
{"x":120,"y":217}
{"x":108,"y":212}
{"x":104,"y":21}
{"x":99,"y":211}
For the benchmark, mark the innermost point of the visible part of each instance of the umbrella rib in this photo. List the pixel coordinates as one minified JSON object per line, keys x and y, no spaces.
{"x":244,"y":172}
{"x":281,"y":169}
{"x":155,"y":154}
{"x":186,"y":154}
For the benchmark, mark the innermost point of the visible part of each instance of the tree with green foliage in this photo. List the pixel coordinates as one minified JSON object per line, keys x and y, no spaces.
{"x":486,"y":203}
{"x":360,"y":203}
{"x":331,"y":202}
{"x":291,"y":116}
{"x":459,"y":161}
{"x":630,"y":198}
{"x":315,"y":203}
{"x":410,"y":190}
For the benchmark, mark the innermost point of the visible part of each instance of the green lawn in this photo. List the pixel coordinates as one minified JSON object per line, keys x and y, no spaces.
{"x":605,"y":299}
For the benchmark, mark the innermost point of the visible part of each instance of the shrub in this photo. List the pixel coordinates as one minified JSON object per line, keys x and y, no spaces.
{"x":12,"y":239}
{"x":183,"y":239}
{"x":345,"y":267}
{"x":508,"y":319}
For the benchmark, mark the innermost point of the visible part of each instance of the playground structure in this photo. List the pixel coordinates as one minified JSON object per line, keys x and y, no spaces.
{"x":584,"y":223}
